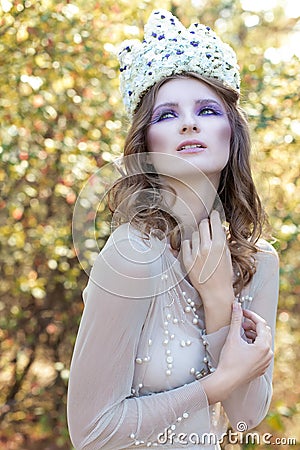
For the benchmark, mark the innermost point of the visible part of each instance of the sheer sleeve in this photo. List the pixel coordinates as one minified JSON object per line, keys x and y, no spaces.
{"x":102,"y":413}
{"x":250,"y":403}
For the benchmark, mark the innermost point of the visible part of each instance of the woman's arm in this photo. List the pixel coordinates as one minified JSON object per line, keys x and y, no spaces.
{"x":208,"y":262}
{"x":209,"y":266}
{"x":101,"y":410}
{"x":250,"y":402}
{"x":257,"y":358}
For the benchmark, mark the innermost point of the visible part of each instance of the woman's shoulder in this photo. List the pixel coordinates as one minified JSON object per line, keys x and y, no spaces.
{"x":265,"y":250}
{"x":127,"y":250}
{"x":126,"y":233}
{"x":125,"y":266}
{"x":266,"y":270}
{"x":267,"y":263}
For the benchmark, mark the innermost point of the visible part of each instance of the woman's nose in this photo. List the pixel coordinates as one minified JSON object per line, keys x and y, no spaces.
{"x":189,"y":126}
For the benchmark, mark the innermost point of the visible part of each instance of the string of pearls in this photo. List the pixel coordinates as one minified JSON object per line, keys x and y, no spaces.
{"x":168,"y":431}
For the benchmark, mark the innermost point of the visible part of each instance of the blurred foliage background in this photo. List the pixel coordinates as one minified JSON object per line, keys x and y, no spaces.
{"x":62,"y":119}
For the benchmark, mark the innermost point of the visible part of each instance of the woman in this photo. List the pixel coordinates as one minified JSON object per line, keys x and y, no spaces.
{"x":177,"y":332}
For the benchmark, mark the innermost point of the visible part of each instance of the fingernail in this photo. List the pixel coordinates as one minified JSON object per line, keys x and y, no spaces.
{"x":235,"y":305}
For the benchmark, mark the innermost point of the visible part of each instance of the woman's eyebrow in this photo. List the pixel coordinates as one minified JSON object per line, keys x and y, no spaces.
{"x":202,"y":101}
{"x":205,"y":101}
{"x":167,"y":104}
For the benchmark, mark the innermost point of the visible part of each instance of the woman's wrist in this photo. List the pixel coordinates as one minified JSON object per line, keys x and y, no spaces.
{"x":217,"y":296}
{"x":217,"y":315}
{"x":218,"y":386}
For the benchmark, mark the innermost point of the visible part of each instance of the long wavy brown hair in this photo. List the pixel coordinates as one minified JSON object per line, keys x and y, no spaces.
{"x":137,"y":197}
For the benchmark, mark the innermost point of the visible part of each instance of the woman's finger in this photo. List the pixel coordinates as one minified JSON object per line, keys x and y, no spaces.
{"x":195,"y":243}
{"x":250,"y":334}
{"x":263,"y":328}
{"x":236,"y":320}
{"x":248,"y":325}
{"x":263,"y":331}
{"x":204,"y":237}
{"x":256,"y":318}
{"x":187,"y":254}
{"x":217,"y":230}
{"x":264,"y":335}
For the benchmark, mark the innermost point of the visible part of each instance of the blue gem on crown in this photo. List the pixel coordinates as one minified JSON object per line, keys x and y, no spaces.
{"x":169,"y":48}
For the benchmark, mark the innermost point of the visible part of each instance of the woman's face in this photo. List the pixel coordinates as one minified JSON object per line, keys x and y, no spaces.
{"x":189,"y":130}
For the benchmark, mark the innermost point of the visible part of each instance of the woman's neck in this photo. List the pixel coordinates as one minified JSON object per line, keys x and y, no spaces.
{"x":190,"y":203}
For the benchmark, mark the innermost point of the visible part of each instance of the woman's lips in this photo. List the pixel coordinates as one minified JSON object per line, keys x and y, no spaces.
{"x":191,"y":147}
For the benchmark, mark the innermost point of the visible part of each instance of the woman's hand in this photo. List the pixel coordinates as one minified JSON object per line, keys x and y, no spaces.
{"x":249,"y":325}
{"x":246,"y":361}
{"x":240,"y":362}
{"x":207,"y":260}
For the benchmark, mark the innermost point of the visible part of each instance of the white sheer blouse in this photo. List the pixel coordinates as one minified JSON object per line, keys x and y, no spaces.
{"x":140,"y":345}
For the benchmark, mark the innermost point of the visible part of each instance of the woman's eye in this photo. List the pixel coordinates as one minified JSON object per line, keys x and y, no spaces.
{"x":163,"y":116}
{"x":167,"y":115}
{"x":208,"y":111}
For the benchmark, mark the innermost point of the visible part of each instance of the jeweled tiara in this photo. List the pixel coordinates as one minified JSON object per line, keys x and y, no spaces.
{"x":169,"y":48}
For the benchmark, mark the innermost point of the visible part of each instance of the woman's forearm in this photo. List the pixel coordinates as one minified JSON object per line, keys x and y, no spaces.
{"x":217,"y":311}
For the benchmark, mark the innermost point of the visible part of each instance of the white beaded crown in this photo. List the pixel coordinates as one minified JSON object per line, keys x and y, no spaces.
{"x":169,"y":48}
